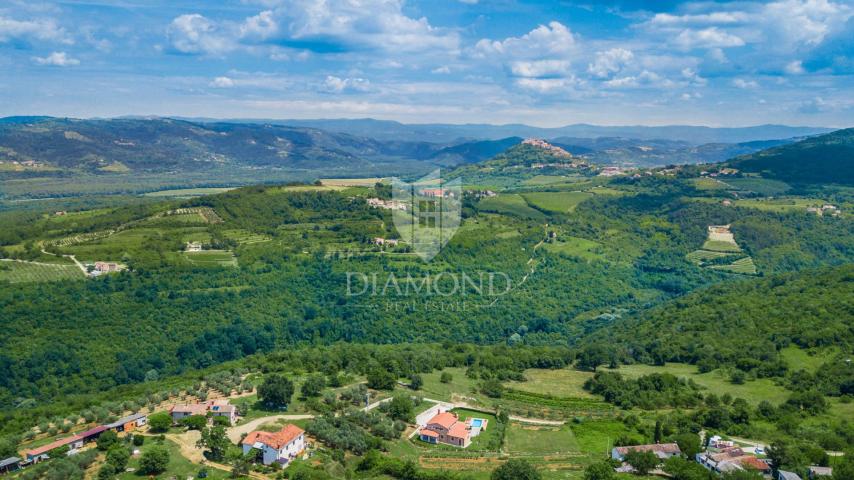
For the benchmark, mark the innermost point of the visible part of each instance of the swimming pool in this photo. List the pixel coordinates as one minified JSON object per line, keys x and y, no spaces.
{"x":476,"y":422}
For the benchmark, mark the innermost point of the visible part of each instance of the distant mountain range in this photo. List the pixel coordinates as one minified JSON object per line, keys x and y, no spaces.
{"x":822,"y":159}
{"x":447,"y":133}
{"x":124,"y":145}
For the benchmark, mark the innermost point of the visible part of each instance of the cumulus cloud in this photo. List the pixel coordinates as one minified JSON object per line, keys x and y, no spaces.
{"x":711,"y":37}
{"x":554,"y":39}
{"x":795,"y":67}
{"x":610,"y":62}
{"x":57,"y":59}
{"x":195,"y":34}
{"x":444,"y":69}
{"x":540,"y":68}
{"x":744,"y":84}
{"x":545,"y":85}
{"x":342,"y":85}
{"x":222,"y":82}
{"x":39,"y":29}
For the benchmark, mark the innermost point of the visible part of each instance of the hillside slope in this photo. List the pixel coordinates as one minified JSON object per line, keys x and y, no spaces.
{"x":744,"y":323}
{"x":825,"y":158}
{"x":162,"y":144}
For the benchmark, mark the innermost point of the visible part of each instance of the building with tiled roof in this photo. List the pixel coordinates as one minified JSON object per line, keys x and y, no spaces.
{"x":446,"y":427}
{"x":661,"y":450}
{"x":42,"y":453}
{"x":279,"y":447}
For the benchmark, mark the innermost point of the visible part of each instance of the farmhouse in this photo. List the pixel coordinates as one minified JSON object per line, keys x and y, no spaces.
{"x":180,"y":412}
{"x":784,"y":475}
{"x":661,"y":450}
{"x":129,"y":423}
{"x":386,"y":204}
{"x":219,"y":408}
{"x":193,"y":247}
{"x":42,"y":453}
{"x":280,"y":447}
{"x":731,"y":459}
{"x":436,"y":192}
{"x":93,"y":433}
{"x":106,"y":267}
{"x":10,"y":464}
{"x":446,"y":427}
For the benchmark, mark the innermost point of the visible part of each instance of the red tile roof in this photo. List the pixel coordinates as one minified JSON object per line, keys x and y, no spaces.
{"x":93,"y":431}
{"x":275,"y":440}
{"x":51,"y":446}
{"x":753,"y":462}
{"x":444,"y":420}
{"x":458,"y":430}
{"x":192,"y":409}
{"x":428,"y":433}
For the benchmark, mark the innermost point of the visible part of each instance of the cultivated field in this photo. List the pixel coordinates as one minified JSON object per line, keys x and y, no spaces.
{"x":574,"y":246}
{"x":188,"y":192}
{"x":510,"y":204}
{"x":351,"y":182}
{"x":24,"y":272}
{"x":556,"y":201}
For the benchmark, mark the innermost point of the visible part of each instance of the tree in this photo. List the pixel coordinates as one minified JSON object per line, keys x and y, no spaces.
{"x":154,"y":460}
{"x":195,"y":422}
{"x":118,"y":456}
{"x":492,"y":388}
{"x":381,"y":379}
{"x":591,"y":357}
{"x":689,"y":444}
{"x":446,"y":377}
{"x":312,"y":386}
{"x":159,"y":422}
{"x":599,"y":471}
{"x":215,"y":440}
{"x":642,"y":461}
{"x":682,"y":469}
{"x":415,"y":382}
{"x":400,"y":408}
{"x":276,"y":391}
{"x":516,"y":469}
{"x":107,"y":472}
{"x":107,"y":440}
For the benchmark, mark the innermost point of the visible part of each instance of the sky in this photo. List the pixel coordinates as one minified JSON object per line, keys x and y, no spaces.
{"x":717,"y":63}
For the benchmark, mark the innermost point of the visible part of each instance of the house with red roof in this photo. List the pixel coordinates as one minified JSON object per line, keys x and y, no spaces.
{"x":43,"y":453}
{"x":279,"y":447}
{"x":446,"y":427}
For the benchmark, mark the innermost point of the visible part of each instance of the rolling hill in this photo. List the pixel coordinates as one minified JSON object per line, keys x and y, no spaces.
{"x":162,"y":144}
{"x":825,"y":158}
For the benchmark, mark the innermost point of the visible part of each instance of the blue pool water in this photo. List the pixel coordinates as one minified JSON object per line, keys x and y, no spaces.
{"x":476,"y":422}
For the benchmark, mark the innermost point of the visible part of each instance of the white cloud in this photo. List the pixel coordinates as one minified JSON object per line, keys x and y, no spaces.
{"x":540,"y":68}
{"x":805,"y":22}
{"x":692,"y":77}
{"x":196,"y":34}
{"x":645,"y":79}
{"x":41,"y":29}
{"x":259,"y":27}
{"x":340,"y":85}
{"x":713,"y":18}
{"x":711,"y":37}
{"x":553,"y":39}
{"x":795,"y":67}
{"x":610,"y":62}
{"x":545,"y":85}
{"x":744,"y":84}
{"x":57,"y":59}
{"x":222,"y":82}
{"x":444,"y":69}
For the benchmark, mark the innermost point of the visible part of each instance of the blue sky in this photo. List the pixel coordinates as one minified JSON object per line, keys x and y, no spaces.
{"x":421,"y":61}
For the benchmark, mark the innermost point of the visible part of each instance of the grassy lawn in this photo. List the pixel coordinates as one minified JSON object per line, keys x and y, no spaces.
{"x":179,"y":467}
{"x":561,"y":383}
{"x":715,"y":381}
{"x":790,"y":204}
{"x":556,"y":201}
{"x":709,"y":184}
{"x":540,"y":440}
{"x":510,"y":204}
{"x":762,"y":186}
{"x":574,"y":246}
{"x":460,"y":384}
{"x":809,"y":360}
{"x":212,"y":258}
{"x":23,"y":272}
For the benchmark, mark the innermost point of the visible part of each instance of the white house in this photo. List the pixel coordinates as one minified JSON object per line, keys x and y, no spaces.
{"x":219,"y":408}
{"x":282,"y":446}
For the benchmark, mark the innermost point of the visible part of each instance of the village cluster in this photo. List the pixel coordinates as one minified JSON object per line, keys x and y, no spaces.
{"x":720,"y":456}
{"x":279,"y":447}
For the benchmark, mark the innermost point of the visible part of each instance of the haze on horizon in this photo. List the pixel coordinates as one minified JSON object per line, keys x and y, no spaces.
{"x":449,"y":61}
